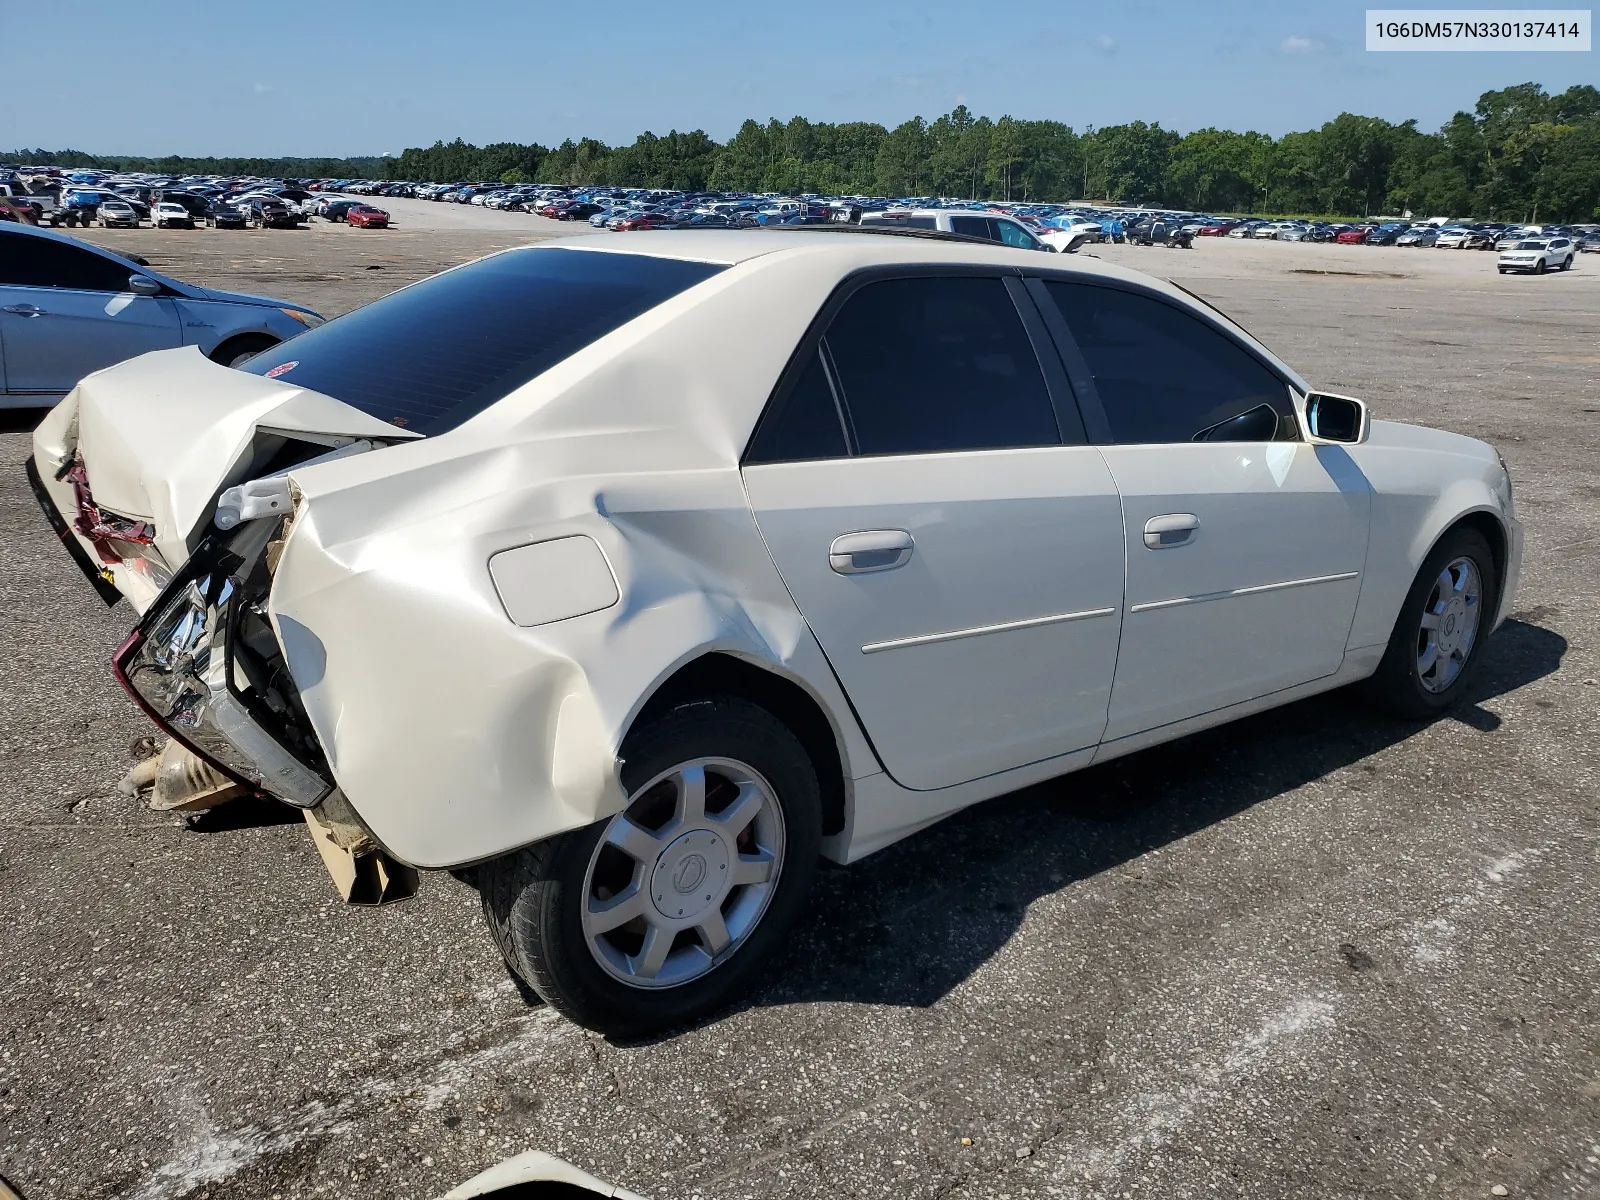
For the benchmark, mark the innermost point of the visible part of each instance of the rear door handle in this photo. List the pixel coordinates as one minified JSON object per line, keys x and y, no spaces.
{"x":1173,"y":529}
{"x":871,"y":550}
{"x":25,"y":310}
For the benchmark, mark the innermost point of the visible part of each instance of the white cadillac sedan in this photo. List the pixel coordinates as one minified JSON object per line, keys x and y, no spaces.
{"x":635,"y":579}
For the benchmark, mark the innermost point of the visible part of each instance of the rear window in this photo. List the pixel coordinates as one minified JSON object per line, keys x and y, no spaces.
{"x":435,"y":354}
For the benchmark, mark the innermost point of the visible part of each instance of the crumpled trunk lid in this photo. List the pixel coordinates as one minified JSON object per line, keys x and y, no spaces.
{"x":160,"y":435}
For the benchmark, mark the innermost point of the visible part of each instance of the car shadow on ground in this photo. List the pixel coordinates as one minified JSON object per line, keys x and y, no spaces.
{"x":20,"y":420}
{"x":910,"y":923}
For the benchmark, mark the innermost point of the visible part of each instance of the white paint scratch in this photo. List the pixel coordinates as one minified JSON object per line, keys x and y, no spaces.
{"x":209,"y":1155}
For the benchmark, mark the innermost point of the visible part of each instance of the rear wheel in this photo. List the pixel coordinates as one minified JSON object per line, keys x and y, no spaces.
{"x":235,"y":350}
{"x":1439,"y":635}
{"x":663,"y":913}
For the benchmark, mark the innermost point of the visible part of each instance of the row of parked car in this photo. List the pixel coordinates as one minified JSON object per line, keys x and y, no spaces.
{"x":130,"y":202}
{"x":1480,"y":235}
{"x":219,"y":202}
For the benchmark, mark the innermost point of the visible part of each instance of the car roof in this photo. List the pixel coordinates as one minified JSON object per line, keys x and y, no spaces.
{"x":855,"y":248}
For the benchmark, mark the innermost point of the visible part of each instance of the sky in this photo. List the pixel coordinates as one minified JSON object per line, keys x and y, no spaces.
{"x":346,"y":77}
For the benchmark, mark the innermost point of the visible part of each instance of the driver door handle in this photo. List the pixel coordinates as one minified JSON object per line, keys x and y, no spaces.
{"x":869,"y":551}
{"x":1173,"y":529}
{"x":25,"y":310}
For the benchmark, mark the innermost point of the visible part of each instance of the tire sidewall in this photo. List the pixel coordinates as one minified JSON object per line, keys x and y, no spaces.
{"x":559,"y":951}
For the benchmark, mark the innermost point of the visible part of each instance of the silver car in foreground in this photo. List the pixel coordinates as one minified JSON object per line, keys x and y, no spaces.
{"x":68,"y":308}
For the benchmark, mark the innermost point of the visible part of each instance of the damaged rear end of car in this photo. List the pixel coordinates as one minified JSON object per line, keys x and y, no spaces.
{"x":128,"y":471}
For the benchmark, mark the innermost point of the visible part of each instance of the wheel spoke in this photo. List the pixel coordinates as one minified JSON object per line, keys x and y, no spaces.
{"x":1452,"y":583}
{"x":713,"y":931}
{"x":652,"y":955}
{"x":637,"y":842}
{"x":607,"y":915}
{"x":1430,"y":620}
{"x":691,"y":794}
{"x":742,"y":811}
{"x":1427,"y":659}
{"x":752,"y":868}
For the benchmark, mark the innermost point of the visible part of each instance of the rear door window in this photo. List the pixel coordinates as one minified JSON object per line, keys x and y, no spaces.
{"x":926,"y":365}
{"x":978,"y":227}
{"x":434,"y":354}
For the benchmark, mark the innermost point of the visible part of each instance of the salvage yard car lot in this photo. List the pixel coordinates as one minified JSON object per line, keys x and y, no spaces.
{"x":1304,"y":927}
{"x":709,"y":720}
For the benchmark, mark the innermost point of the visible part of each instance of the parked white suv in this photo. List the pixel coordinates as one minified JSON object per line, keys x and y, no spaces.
{"x":992,"y":227}
{"x":1538,"y":255}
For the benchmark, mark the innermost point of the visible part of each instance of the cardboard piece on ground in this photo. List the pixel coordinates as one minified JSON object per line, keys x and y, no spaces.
{"x":363,"y":876}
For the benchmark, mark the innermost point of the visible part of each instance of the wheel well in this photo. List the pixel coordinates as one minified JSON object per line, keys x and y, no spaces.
{"x":725,"y":675}
{"x":228,"y":347}
{"x":1494,"y":533}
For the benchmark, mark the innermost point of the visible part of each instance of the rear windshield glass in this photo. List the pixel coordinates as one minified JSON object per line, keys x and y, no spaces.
{"x":429,"y":357}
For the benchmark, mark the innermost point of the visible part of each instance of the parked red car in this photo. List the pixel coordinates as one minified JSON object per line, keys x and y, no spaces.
{"x":1218,"y":229}
{"x":367,"y":217}
{"x":1352,"y":237}
{"x":645,"y":221}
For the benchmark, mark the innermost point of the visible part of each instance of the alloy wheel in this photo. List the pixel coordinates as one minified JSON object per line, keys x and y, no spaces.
{"x":684,"y":874}
{"x":1449,"y":626}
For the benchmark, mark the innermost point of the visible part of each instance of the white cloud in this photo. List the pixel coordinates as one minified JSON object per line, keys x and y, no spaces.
{"x":1295,"y":44}
{"x":1106,"y":43}
{"x":263,"y":88}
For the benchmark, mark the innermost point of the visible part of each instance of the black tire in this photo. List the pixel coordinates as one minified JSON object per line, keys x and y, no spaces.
{"x":1396,"y":687}
{"x":1538,"y":267}
{"x":235,"y":350}
{"x":532,"y":898}
{"x":1567,"y":266}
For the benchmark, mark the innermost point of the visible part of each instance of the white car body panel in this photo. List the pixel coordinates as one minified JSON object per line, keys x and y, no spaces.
{"x":993,"y":645}
{"x":1261,"y":595}
{"x":457,"y":734}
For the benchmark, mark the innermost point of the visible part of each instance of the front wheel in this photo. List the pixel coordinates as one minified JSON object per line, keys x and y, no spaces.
{"x":235,"y":350}
{"x":1538,"y":267}
{"x":664,"y":912}
{"x":1439,"y":635}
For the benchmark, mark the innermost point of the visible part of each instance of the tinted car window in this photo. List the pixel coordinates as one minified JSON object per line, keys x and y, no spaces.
{"x":926,"y":365}
{"x":42,"y":262}
{"x":1161,"y":374}
{"x":804,"y":424}
{"x":1013,"y":234}
{"x":980,"y":227}
{"x":432,"y":355}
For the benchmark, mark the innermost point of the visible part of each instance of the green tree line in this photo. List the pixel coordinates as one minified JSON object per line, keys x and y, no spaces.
{"x":364,"y":167}
{"x":1520,"y":154}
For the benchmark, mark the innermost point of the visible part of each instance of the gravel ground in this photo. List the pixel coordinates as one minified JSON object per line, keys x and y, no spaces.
{"x":1315,"y":953}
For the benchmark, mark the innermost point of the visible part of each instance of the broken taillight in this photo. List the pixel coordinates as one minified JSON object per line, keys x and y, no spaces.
{"x":177,"y":665}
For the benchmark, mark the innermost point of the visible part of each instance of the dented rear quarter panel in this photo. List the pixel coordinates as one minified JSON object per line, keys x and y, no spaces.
{"x":458,"y":735}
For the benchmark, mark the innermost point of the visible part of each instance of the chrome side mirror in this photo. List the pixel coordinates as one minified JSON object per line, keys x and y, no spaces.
{"x":143,"y":285}
{"x":1342,"y":420}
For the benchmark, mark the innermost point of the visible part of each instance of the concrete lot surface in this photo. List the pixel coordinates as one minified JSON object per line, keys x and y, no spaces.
{"x":1317,"y":953}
